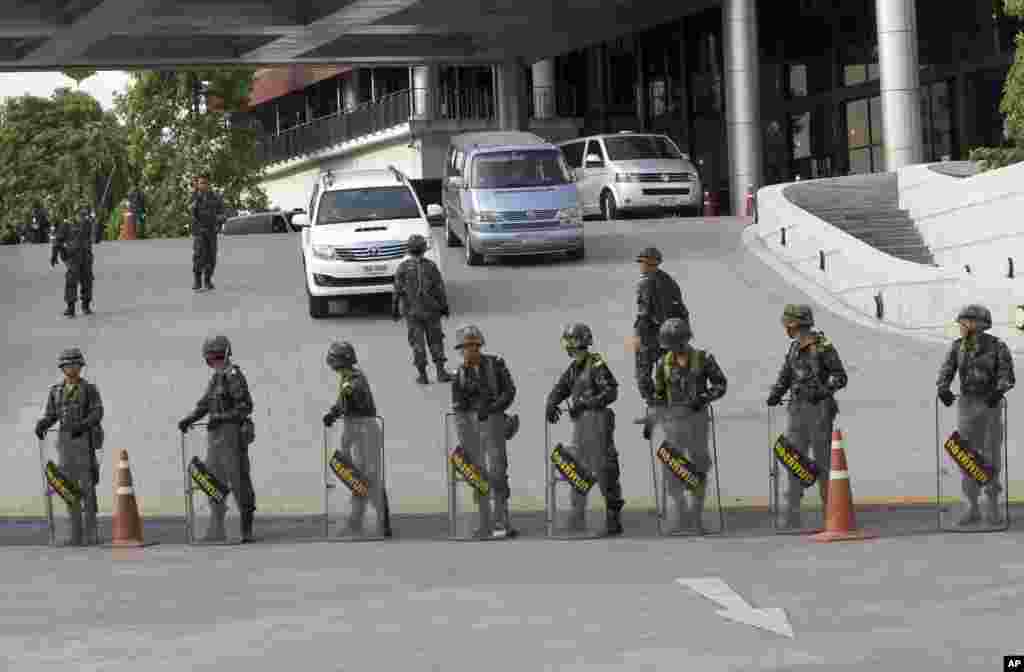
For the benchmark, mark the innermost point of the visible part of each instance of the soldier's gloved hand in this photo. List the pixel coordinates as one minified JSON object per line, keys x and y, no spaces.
{"x":553,"y":414}
{"x":698,"y":403}
{"x":395,"y":315}
{"x":774,"y":400}
{"x":184,"y":424}
{"x":483,"y":414}
{"x":994,"y":399}
{"x":946,"y":397}
{"x":329,"y":419}
{"x":40,"y":430}
{"x":53,"y":260}
{"x":213,"y":422}
{"x":445,"y":312}
{"x":76,"y":429}
{"x":647,"y":431}
{"x":819,"y":396}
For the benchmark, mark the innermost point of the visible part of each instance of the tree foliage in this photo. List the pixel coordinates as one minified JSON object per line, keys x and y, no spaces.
{"x":1011,"y":104}
{"x":60,"y":151}
{"x":173,"y":134}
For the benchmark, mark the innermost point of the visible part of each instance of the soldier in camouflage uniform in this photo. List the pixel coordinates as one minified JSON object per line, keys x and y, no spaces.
{"x":360,"y":440}
{"x":812,"y":372}
{"x":208,"y":216}
{"x":229,"y":405}
{"x":482,"y":391}
{"x":72,"y":243}
{"x":986,"y":373}
{"x":686,"y":381}
{"x":420,"y":288}
{"x":591,"y":388}
{"x":77,"y":405}
{"x":658,"y":298}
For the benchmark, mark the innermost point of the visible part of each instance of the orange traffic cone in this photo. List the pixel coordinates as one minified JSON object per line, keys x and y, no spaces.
{"x":127,"y":522}
{"x":840,"y":522}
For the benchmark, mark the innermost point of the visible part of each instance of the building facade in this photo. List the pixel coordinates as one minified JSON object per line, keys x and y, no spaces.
{"x":756,"y":91}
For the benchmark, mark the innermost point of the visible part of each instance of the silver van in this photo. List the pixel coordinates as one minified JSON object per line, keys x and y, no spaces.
{"x":510,"y":193}
{"x":616,"y":172}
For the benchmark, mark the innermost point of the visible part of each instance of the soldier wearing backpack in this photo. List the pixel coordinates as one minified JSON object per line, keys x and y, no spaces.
{"x":658,"y":299}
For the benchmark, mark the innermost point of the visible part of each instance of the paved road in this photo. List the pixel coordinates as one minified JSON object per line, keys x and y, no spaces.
{"x":143,"y":347}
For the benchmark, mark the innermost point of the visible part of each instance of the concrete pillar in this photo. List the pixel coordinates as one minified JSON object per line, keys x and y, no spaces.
{"x":373,"y":86}
{"x":641,"y":86}
{"x":900,"y":85}
{"x":512,"y":110}
{"x":544,"y":89}
{"x":350,"y":91}
{"x":424,"y":91}
{"x":743,"y":99}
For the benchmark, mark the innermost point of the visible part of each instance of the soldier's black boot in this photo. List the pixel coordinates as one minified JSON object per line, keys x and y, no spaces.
{"x":247,"y":517}
{"x":442,"y":374}
{"x":613,"y":523}
{"x":70,"y":312}
{"x":197,"y":283}
{"x":422,"y":378}
{"x":209,"y":282}
{"x":86,"y":307}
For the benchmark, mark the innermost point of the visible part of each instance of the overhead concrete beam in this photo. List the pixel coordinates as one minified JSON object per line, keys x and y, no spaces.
{"x":69,"y":44}
{"x":317,"y":34}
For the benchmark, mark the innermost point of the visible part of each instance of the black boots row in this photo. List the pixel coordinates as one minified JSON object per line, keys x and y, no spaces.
{"x":86,"y":309}
{"x":442,"y":375}
{"x":198,"y":285}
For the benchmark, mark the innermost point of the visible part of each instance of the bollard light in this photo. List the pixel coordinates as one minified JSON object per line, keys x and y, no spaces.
{"x":1009,"y":267}
{"x":821,"y":259}
{"x":1019,"y":319}
{"x":783,"y":232}
{"x":879,"y":306}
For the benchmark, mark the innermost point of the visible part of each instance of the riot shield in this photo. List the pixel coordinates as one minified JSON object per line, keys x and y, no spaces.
{"x":69,"y":491}
{"x":573,"y":503}
{"x":211,"y":510}
{"x":970,"y":462}
{"x":355,"y":488}
{"x":472,"y":502}
{"x":683,"y":446}
{"x":795,"y":480}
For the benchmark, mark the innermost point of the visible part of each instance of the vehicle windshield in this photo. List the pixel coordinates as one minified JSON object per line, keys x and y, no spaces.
{"x":526,"y":168}
{"x":634,"y":147}
{"x":361,"y":205}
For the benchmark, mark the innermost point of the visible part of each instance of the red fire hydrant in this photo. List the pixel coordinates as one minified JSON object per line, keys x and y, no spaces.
{"x":750,"y":201}
{"x":710,"y":204}
{"x":128,"y":226}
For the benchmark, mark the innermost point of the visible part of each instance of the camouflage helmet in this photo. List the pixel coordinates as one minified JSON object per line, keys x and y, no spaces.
{"x":417,"y":244}
{"x":650,"y":253}
{"x":341,"y":355}
{"x":217,"y":344}
{"x":674,"y":334}
{"x":468,"y":333}
{"x":577,"y":336}
{"x":799,"y":313}
{"x":978,"y":313}
{"x":70,"y":357}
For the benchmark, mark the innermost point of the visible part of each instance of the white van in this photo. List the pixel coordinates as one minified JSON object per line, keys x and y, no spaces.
{"x":616,"y":172}
{"x":357,"y":233}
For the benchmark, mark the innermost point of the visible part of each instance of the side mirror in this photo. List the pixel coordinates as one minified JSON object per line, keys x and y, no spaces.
{"x":300,"y":220}
{"x":593,"y":161}
{"x":435,"y":213}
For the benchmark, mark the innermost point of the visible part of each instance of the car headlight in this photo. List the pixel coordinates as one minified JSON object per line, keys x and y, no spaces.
{"x":482,"y":218}
{"x":323,"y":252}
{"x":625,"y":177}
{"x":570,"y":217}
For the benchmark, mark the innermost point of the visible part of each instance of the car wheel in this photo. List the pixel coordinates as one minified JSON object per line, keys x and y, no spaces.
{"x":609,"y":208}
{"x":472,"y":257}
{"x":450,"y":238}
{"x":579,"y":253}
{"x":317,"y":306}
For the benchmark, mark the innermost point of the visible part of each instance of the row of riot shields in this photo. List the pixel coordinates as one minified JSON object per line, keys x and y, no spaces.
{"x":70,"y":473}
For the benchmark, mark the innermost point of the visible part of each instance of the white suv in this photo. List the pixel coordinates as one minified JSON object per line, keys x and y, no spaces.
{"x":357,"y":233}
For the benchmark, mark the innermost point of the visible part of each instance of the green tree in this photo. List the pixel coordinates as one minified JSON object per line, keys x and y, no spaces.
{"x":60,"y":151}
{"x":173,"y":134}
{"x":1012,"y":103}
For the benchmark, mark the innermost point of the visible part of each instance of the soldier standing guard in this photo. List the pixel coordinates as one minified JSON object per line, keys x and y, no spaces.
{"x":76,"y":404}
{"x":208,"y":216}
{"x":420,"y":288}
{"x":985,"y":365}
{"x":658,"y":299}
{"x":72,"y":244}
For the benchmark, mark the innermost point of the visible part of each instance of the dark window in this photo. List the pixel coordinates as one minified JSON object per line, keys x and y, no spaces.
{"x":937,"y":121}
{"x":631,"y":147}
{"x":510,"y":170}
{"x":594,"y":147}
{"x":360,"y":205}
{"x":573,"y":154}
{"x":864,"y":135}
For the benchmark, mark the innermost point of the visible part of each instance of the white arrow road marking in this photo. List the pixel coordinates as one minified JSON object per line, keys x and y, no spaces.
{"x":737,"y":609}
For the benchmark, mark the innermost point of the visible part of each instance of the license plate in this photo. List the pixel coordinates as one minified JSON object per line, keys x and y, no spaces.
{"x":669,"y":201}
{"x":375,"y":268}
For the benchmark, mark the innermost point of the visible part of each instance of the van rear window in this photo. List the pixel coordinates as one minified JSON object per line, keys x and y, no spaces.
{"x":511,"y":170}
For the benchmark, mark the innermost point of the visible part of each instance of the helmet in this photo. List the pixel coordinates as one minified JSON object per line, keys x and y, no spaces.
{"x":650,"y":253}
{"x":799,"y":313}
{"x":674,"y":334}
{"x":217,"y":344}
{"x":341,"y":355}
{"x":978,"y":313}
{"x":417,"y":244}
{"x":468,"y":333}
{"x":70,"y":357}
{"x":577,"y":336}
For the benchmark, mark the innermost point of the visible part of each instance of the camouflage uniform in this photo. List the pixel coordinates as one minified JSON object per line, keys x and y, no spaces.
{"x":681,"y":397}
{"x":420,"y":288}
{"x":658,"y":298}
{"x":208,"y":216}
{"x":228,"y":404}
{"x":985,"y":365}
{"x":361,"y":436}
{"x":812,"y":373}
{"x":79,"y":409}
{"x":72,"y":243}
{"x":591,"y":388}
{"x":480,"y":397}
